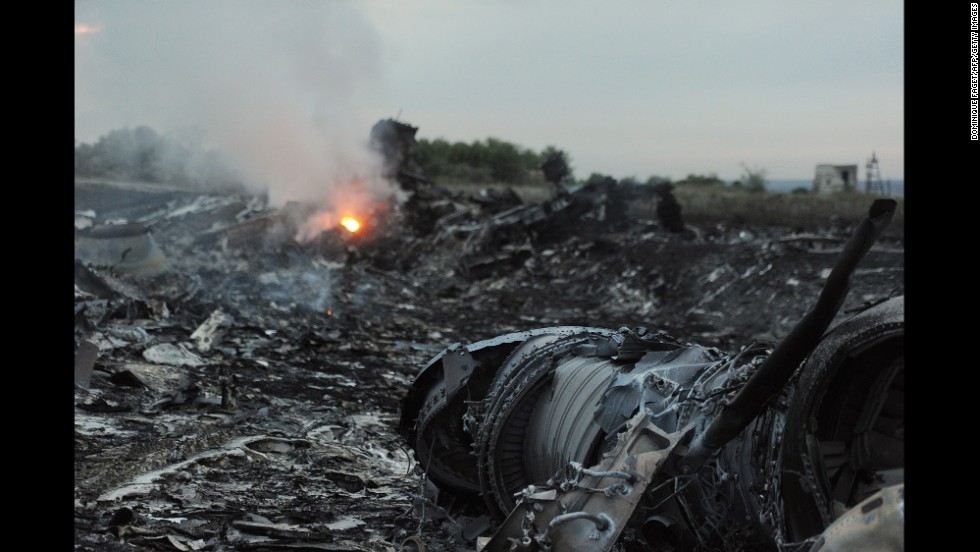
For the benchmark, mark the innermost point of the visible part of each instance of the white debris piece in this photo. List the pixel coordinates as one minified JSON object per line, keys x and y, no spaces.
{"x":210,"y":332}
{"x":345,"y":523}
{"x":174,"y":355}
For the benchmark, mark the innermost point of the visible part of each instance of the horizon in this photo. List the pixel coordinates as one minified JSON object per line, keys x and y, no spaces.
{"x":626,"y":89}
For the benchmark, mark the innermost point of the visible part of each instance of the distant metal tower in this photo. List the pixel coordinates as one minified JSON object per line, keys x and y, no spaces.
{"x":873,"y":183}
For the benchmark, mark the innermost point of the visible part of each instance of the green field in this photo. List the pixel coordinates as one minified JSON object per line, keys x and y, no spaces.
{"x":723,"y":204}
{"x":804,"y":211}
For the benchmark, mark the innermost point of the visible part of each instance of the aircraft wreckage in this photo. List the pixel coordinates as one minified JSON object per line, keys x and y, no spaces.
{"x":582,"y":438}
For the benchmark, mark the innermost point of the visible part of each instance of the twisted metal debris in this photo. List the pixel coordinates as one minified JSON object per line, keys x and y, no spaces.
{"x":579,"y":438}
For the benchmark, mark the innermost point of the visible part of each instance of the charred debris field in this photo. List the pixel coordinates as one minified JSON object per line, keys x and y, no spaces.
{"x":239,"y":389}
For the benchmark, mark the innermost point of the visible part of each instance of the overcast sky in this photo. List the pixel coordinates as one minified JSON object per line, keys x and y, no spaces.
{"x":625,"y":88}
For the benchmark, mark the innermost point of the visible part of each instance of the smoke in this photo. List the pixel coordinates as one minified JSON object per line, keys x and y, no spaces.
{"x":279,"y":87}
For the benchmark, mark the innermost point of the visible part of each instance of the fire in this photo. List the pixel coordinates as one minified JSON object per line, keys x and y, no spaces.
{"x":351,"y":224}
{"x":82,"y":28}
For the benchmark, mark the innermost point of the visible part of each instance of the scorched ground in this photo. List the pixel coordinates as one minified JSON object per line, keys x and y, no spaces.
{"x":247,"y":395}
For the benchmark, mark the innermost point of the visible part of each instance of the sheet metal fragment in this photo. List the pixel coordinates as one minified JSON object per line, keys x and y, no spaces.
{"x":209,"y":334}
{"x":173,"y":354}
{"x":84,"y":362}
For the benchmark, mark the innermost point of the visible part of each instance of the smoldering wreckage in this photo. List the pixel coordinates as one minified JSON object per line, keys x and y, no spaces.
{"x":448,"y":377}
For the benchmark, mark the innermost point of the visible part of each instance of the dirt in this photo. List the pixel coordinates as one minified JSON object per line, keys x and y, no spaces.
{"x":276,"y":430}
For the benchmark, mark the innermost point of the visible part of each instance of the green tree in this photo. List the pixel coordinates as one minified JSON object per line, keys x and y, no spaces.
{"x":504,"y":160}
{"x":597,"y":178}
{"x":551,"y":151}
{"x":754,"y":179}
{"x":483,"y":161}
{"x":122,"y":153}
{"x":710,"y":179}
{"x":143,"y":154}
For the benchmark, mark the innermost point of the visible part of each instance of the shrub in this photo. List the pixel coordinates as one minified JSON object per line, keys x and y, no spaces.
{"x":702,"y":180}
{"x":754,"y":179}
{"x":482,"y":161}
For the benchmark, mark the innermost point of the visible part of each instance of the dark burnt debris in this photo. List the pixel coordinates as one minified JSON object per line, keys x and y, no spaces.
{"x":237,"y":388}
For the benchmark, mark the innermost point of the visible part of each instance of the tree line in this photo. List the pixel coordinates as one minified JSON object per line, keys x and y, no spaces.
{"x":144,"y":155}
{"x":480,"y":161}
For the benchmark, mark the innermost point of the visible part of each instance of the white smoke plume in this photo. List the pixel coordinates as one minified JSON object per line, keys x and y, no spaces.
{"x":277,"y":86}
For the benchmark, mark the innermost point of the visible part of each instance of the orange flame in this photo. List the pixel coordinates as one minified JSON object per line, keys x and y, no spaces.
{"x":351,"y":224}
{"x":82,"y":28}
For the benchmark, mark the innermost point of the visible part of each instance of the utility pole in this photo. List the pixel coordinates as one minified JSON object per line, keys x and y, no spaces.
{"x":873,"y":183}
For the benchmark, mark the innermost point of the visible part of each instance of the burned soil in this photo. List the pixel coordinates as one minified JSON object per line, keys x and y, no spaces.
{"x":244,"y":392}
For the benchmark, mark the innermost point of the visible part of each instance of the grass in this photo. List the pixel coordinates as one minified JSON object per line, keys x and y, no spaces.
{"x":804,"y":211}
{"x":718,"y":204}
